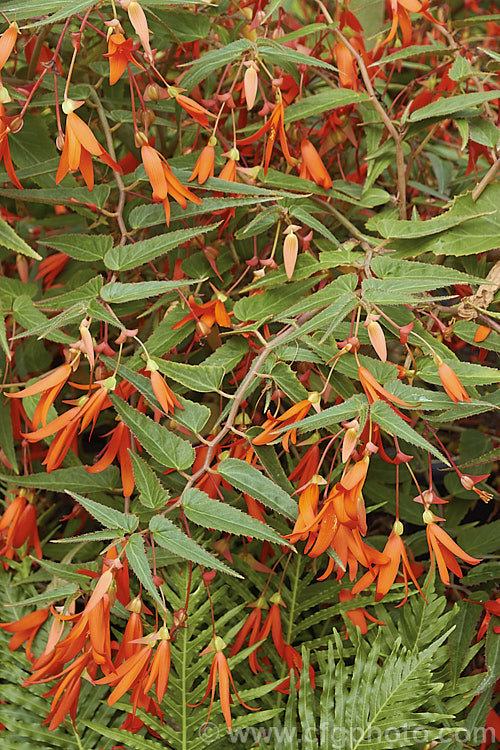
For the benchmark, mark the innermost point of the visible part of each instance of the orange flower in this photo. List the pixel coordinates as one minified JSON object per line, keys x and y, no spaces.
{"x":357,"y":616}
{"x":25,"y":629}
{"x":482,"y":333}
{"x":290,"y":249}
{"x":312,"y":167}
{"x":296,"y":413}
{"x":49,"y":387}
{"x":18,"y":527}
{"x":5,"y":129}
{"x":207,"y":314}
{"x":451,"y":383}
{"x":400,"y":11}
{"x":308,"y":509}
{"x":376,"y":336}
{"x":220,"y":669}
{"x":276,"y":126}
{"x":375,"y":392}
{"x":50,"y":267}
{"x":67,"y":691}
{"x":205,"y":164}
{"x":387,"y":573}
{"x":120,"y":55}
{"x":79,"y":144}
{"x":228,"y":171}
{"x":161,"y":178}
{"x":167,"y":398}
{"x":137,"y":18}
{"x":7,"y":42}
{"x":118,"y":446}
{"x":251,"y":626}
{"x":443,"y":548}
{"x":197,"y":112}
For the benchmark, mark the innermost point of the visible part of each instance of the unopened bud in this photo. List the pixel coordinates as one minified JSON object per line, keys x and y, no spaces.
{"x":251,"y":85}
{"x":290,"y":252}
{"x":16,"y":124}
{"x":466,"y":482}
{"x":146,"y":117}
{"x":140,"y":139}
{"x":202,"y":329}
{"x":398,"y":528}
{"x":60,"y":142}
{"x":152,"y":92}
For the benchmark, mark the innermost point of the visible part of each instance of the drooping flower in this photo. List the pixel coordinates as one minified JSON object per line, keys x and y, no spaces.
{"x":400,"y":11}
{"x":290,"y":249}
{"x":207,"y":313}
{"x":220,"y":672}
{"x":312,"y":167}
{"x":205,"y":164}
{"x":18,"y":526}
{"x":197,"y":111}
{"x":163,"y":182}
{"x":273,"y":425}
{"x":386,"y":574}
{"x":49,"y":386}
{"x":165,"y":395}
{"x":7,"y":42}
{"x":5,"y":129}
{"x":275,"y":125}
{"x":451,"y":382}
{"x":138,"y":20}
{"x":359,"y":615}
{"x":251,"y":629}
{"x":118,"y":447}
{"x":50,"y":267}
{"x":444,"y":550}
{"x":79,"y":145}
{"x":376,"y":336}
{"x":25,"y":629}
{"x":120,"y":54}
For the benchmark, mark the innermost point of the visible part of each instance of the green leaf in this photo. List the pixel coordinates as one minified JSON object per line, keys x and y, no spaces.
{"x":66,"y":196}
{"x":83,"y":247}
{"x":161,"y":443}
{"x":123,"y":258}
{"x":272,"y":301}
{"x":52,"y":594}
{"x":116,"y":292}
{"x":151,"y":214}
{"x":394,"y":228}
{"x":76,"y":478}
{"x":83,"y":293}
{"x":286,"y":56}
{"x":471,"y":235}
{"x":200,"y":378}
{"x":212,"y":514}
{"x":288,"y":381}
{"x":388,"y":420}
{"x":108,"y":517}
{"x":468,"y":373}
{"x":331,"y":416}
{"x":171,"y":538}
{"x":318,"y":104}
{"x":138,"y":561}
{"x":151,"y":493}
{"x":413,"y":277}
{"x":250,"y":480}
{"x":444,"y":107}
{"x":6,"y":434}
{"x":12,"y":241}
{"x":212,"y":60}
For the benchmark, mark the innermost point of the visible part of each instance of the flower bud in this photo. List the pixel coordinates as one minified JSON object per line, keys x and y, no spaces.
{"x":140,"y":139}
{"x":251,"y":84}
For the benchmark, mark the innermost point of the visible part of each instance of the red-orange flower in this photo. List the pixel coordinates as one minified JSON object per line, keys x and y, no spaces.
{"x":165,"y":395}
{"x":451,"y":382}
{"x":219,"y":671}
{"x":386,"y":574}
{"x":25,"y":629}
{"x":7,"y":42}
{"x":162,"y":180}
{"x":120,"y":54}
{"x":312,"y":167}
{"x":207,"y":313}
{"x":357,"y":616}
{"x":276,"y":126}
{"x":251,"y":628}
{"x":118,"y":447}
{"x":50,"y":267}
{"x":79,"y":144}
{"x":296,"y":413}
{"x":400,"y":11}
{"x":444,"y":549}
{"x":205,"y":165}
{"x":49,"y":387}
{"x":197,"y":112}
{"x":18,"y":527}
{"x":5,"y":129}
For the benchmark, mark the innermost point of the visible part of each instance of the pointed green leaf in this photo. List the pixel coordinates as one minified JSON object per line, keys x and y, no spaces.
{"x":160,"y":442}
{"x":12,"y":241}
{"x":212,"y":514}
{"x":171,"y":538}
{"x":151,"y":493}
{"x":138,"y":561}
{"x":388,"y":420}
{"x":83,"y":247}
{"x":116,"y":292}
{"x":248,"y":479}
{"x":107,"y":517}
{"x":76,"y":478}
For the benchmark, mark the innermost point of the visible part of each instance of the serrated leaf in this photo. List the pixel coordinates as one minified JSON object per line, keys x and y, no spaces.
{"x":6,"y":434}
{"x":151,"y":493}
{"x":86,"y":292}
{"x":322,"y":102}
{"x":161,"y":443}
{"x":171,"y":538}
{"x":123,"y":258}
{"x":250,"y":480}
{"x":12,"y":241}
{"x":107,"y":517}
{"x":83,"y":247}
{"x":200,"y":378}
{"x":52,"y":594}
{"x":469,"y":373}
{"x":116,"y":292}
{"x":444,"y":107}
{"x":330,"y":416}
{"x":138,"y":561}
{"x":388,"y":420}
{"x":212,"y":514}
{"x":213,"y":60}
{"x":151,"y":214}
{"x":76,"y":478}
